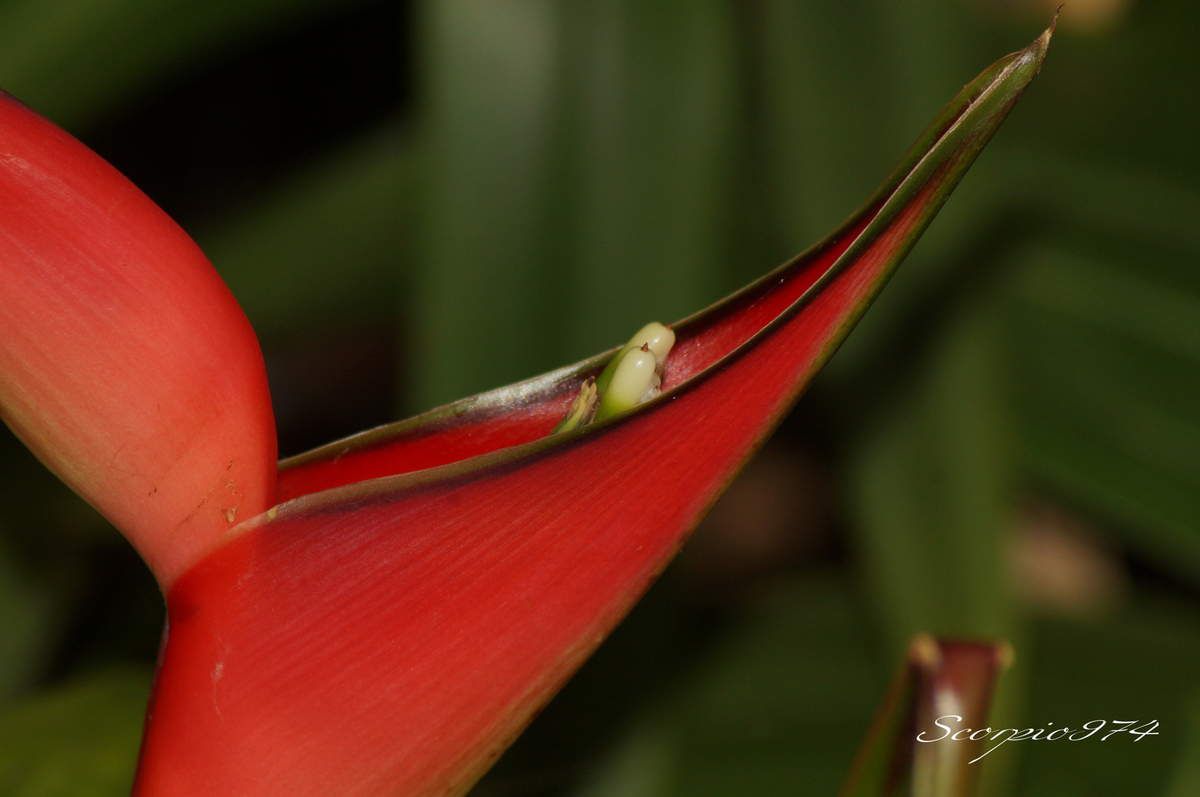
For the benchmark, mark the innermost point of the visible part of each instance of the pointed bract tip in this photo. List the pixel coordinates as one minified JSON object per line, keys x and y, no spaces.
{"x":1042,"y":43}
{"x":923,"y":651}
{"x":1028,"y":62}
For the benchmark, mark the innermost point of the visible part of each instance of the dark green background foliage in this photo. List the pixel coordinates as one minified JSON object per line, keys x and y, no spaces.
{"x":417,"y":202}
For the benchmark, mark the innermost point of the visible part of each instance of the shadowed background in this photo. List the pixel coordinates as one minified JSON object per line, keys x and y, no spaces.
{"x":415,"y":201}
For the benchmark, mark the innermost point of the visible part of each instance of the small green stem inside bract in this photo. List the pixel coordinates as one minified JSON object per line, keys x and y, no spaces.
{"x":583,"y":409}
{"x":632,"y":377}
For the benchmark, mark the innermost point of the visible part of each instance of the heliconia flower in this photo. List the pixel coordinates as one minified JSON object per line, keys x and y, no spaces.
{"x":385,"y":614}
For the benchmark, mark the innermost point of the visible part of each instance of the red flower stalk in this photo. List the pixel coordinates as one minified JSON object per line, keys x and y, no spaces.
{"x":423,"y":588}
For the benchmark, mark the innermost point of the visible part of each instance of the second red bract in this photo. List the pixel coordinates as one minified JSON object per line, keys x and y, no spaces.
{"x":424,"y":588}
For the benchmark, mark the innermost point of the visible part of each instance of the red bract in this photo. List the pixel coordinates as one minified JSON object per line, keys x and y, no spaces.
{"x":125,"y":363}
{"x":431,"y":584}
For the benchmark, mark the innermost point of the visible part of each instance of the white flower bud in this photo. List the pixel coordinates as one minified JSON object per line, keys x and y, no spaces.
{"x":633,"y":381}
{"x":658,"y":338}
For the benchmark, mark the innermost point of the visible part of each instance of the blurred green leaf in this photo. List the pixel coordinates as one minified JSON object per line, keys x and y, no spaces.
{"x":579,"y":158}
{"x":488,"y":283}
{"x":824,"y":152}
{"x":1139,"y":664}
{"x":774,"y":708}
{"x":646,"y":151}
{"x":1185,"y":777}
{"x":333,"y":242}
{"x":1105,"y":354}
{"x":78,"y":739}
{"x":930,"y":488}
{"x":1117,"y":199}
{"x":641,"y":765}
